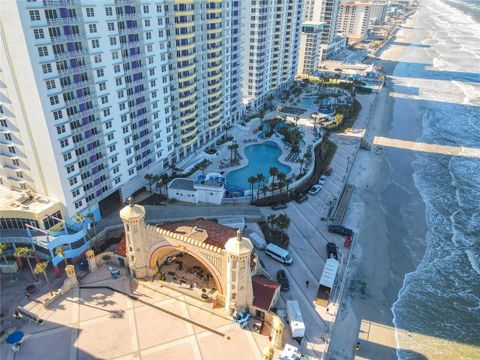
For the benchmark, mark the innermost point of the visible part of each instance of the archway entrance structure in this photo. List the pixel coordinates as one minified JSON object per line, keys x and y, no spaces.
{"x":223,"y":251}
{"x":165,"y":250}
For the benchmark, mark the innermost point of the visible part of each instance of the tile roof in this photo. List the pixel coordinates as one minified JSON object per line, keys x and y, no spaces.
{"x":216,"y":234}
{"x":263,"y":292}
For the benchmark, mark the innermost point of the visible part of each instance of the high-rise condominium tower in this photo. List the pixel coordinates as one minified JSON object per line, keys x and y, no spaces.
{"x":271,"y":41}
{"x":354,"y":20}
{"x":323,"y":11}
{"x":98,"y":93}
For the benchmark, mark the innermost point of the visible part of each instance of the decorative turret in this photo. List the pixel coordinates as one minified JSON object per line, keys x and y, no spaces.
{"x":132,"y":216}
{"x":277,"y":332}
{"x":239,"y":294}
{"x":92,"y":262}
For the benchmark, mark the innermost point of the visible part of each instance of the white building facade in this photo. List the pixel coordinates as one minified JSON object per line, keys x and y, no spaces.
{"x":271,"y":42}
{"x":310,"y":43}
{"x":324,"y":11}
{"x":97,"y":93}
{"x":354,"y":20}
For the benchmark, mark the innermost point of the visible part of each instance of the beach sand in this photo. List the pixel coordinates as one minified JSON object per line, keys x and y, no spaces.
{"x":384,"y":251}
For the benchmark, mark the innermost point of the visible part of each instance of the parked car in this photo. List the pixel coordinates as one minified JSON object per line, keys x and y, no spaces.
{"x":282,"y":279}
{"x":257,"y":240}
{"x":332,"y":251}
{"x":301,"y":198}
{"x":279,"y":206}
{"x":328,"y":171}
{"x":315,"y":189}
{"x":339,"y":229}
{"x":322,"y":180}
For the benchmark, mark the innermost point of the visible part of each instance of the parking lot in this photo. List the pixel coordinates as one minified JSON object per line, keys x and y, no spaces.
{"x":308,"y":239}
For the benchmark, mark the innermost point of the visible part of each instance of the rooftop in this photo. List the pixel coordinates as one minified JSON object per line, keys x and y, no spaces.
{"x":205,"y":231}
{"x":263,"y":292}
{"x":11,"y":199}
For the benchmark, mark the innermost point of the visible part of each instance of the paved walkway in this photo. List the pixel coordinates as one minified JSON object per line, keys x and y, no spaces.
{"x":101,"y":324}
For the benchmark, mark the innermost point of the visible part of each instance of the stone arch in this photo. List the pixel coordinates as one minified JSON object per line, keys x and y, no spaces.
{"x":163,"y":250}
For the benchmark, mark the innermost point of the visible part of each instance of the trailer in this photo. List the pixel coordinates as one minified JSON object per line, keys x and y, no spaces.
{"x":326,"y":282}
{"x":295,"y":320}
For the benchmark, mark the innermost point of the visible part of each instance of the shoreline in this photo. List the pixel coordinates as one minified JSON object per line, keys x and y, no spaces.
{"x":380,"y":257}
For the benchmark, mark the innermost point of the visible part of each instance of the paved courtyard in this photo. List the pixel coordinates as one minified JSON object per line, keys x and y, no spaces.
{"x":102,"y":324}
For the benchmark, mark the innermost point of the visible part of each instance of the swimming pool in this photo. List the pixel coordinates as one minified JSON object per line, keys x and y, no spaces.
{"x":306,"y":103}
{"x":261,"y":157}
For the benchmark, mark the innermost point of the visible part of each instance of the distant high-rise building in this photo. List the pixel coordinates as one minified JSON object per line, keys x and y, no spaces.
{"x":309,"y":48}
{"x":354,"y":20}
{"x":271,"y":40}
{"x":378,"y":11}
{"x":97,"y":94}
{"x":323,"y":11}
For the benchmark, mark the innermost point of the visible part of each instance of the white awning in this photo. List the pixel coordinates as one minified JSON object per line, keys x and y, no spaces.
{"x":329,"y":273}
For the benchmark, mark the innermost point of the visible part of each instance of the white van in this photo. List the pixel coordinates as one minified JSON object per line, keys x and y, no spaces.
{"x":257,"y":241}
{"x":279,"y":254}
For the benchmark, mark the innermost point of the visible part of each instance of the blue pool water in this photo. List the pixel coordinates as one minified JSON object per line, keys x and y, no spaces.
{"x":306,"y":103}
{"x":261,"y":157}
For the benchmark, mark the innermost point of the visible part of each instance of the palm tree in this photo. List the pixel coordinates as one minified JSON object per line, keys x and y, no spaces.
{"x":149,"y":178}
{"x":302,"y":162}
{"x":282,"y":222}
{"x":2,"y":252}
{"x":252,"y":180}
{"x":59,"y":251}
{"x":230,"y":147}
{"x":202,"y":166}
{"x":165,"y":178}
{"x":79,"y":218}
{"x":307,"y":156}
{"x":260,"y":179}
{"x":270,"y":220}
{"x":235,"y":150}
{"x":273,"y":171}
{"x":24,"y":252}
{"x":264,"y":190}
{"x":92,"y":219}
{"x":40,"y":268}
{"x":288,"y":182}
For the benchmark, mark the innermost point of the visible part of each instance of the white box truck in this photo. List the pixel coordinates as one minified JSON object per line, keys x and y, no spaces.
{"x":327,"y":281}
{"x":295,"y":320}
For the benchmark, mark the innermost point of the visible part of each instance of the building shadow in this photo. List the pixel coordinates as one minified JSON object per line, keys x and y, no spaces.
{"x":400,"y":43}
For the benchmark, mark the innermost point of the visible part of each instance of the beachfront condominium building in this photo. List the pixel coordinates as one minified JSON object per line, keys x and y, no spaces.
{"x":378,"y":11}
{"x":271,"y":41}
{"x":354,"y":20}
{"x":310,"y":42}
{"x":98,"y":93}
{"x":324,"y":11}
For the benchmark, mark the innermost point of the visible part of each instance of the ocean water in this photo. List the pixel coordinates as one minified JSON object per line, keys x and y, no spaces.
{"x":437,"y":313}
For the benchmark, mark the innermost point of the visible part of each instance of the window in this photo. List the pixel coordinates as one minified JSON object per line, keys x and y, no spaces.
{"x":148,"y":35}
{"x":57,"y":114}
{"x":102,"y":86}
{"x":38,"y":33}
{"x":34,"y":15}
{"x":116,"y":68}
{"x":15,"y":162}
{"x":63,"y":143}
{"x":90,"y":12}
{"x":114,"y":55}
{"x":54,"y":100}
{"x":104,"y":99}
{"x":100,"y":73}
{"x":113,"y":41}
{"x":42,"y":51}
{"x":11,"y":149}
{"x":76,"y":192}
{"x":111,"y":26}
{"x":46,"y":68}
{"x":97,"y":58}
{"x":147,"y":22}
{"x":50,"y":84}
{"x":95,"y":44}
{"x":78,"y":204}
{"x":60,"y":129}
{"x":67,"y":156}
{"x":92,"y":28}
{"x":106,"y":112}
{"x":108,"y":11}
{"x":118,"y":81}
